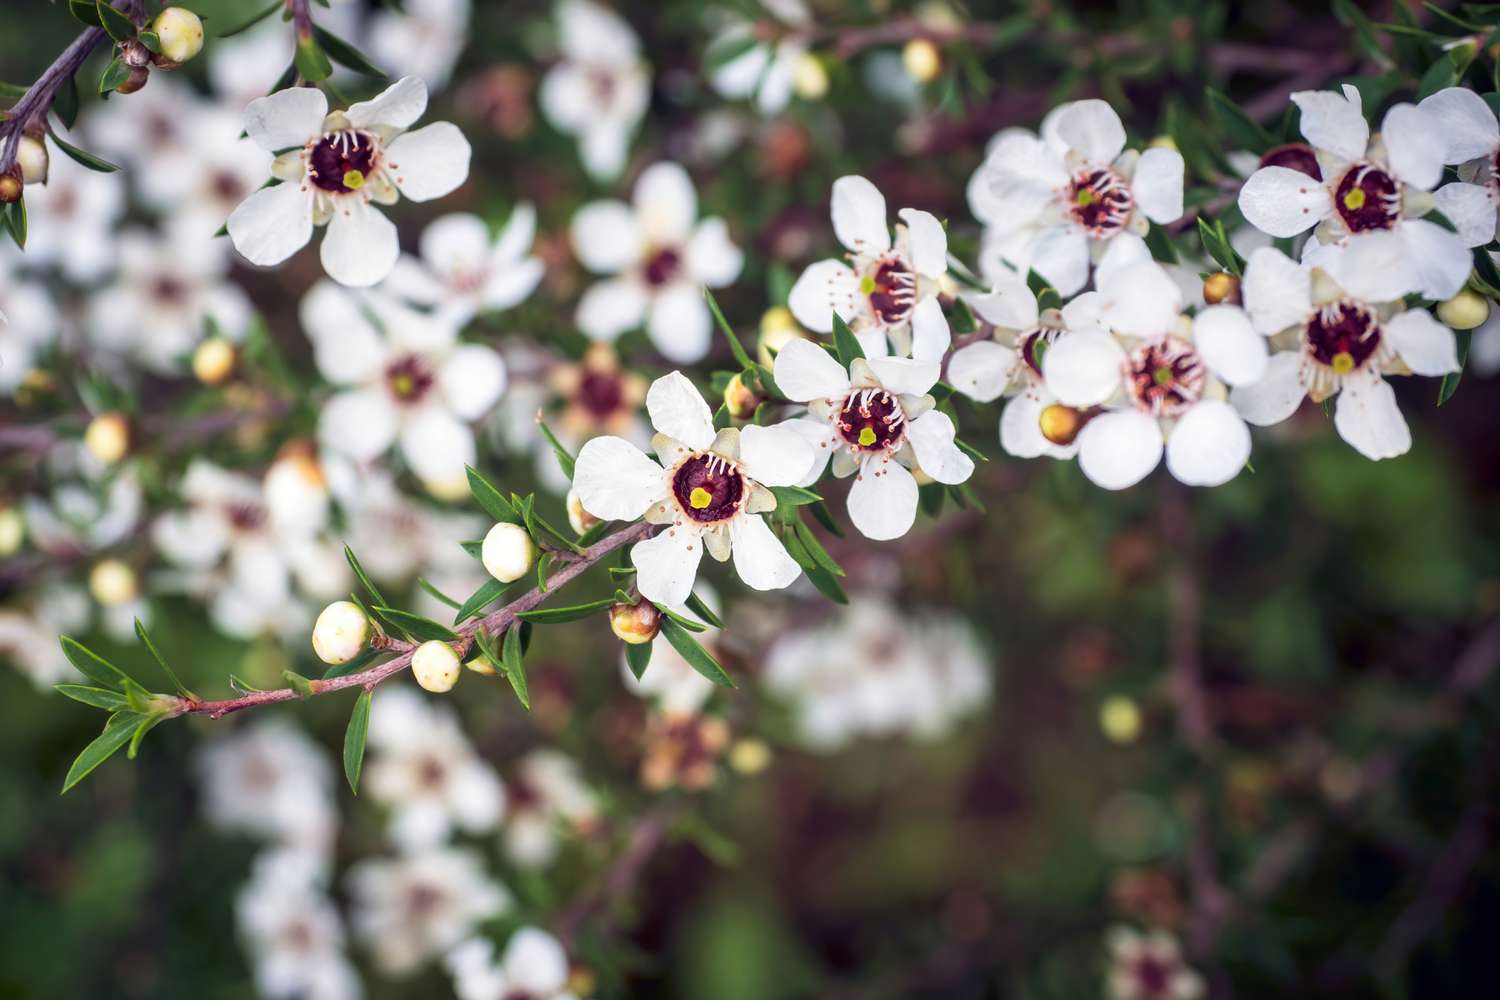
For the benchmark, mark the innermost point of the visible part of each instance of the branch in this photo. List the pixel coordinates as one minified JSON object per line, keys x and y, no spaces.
{"x":647,"y":836}
{"x":495,"y":622}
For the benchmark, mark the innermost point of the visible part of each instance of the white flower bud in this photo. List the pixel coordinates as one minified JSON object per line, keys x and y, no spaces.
{"x":340,"y":632}
{"x":507,"y":552}
{"x":107,"y":437}
{"x":31,"y":155}
{"x":778,"y":327}
{"x":112,"y":583}
{"x":449,"y":488}
{"x":809,"y":78}
{"x":635,"y":623}
{"x":181,"y":34}
{"x":436,"y":666}
{"x":12,"y":531}
{"x":213,"y":360}
{"x":1464,"y":311}
{"x":579,"y":519}
{"x":922,"y":60}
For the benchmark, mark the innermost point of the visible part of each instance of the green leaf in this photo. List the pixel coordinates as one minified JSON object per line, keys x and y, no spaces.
{"x":87,"y":159}
{"x":140,"y":632}
{"x":1243,"y":130}
{"x":815,"y":549}
{"x":298,"y":683}
{"x":845,"y":343}
{"x":482,"y":598}
{"x":1350,"y":15}
{"x":143,"y":727}
{"x":563,"y":458}
{"x":150,"y":39}
{"x":14,"y":217}
{"x":354,"y":739}
{"x":419,"y":628}
{"x":735,"y":347}
{"x":727,"y":49}
{"x":1449,"y":385}
{"x":963,"y":318}
{"x":120,"y":27}
{"x":438,"y":594}
{"x":491,"y":500}
{"x":1216,"y":245}
{"x":117,"y":732}
{"x":826,"y":583}
{"x":311,"y":61}
{"x":65,"y":101}
{"x":86,"y":11}
{"x":241,"y":687}
{"x":93,"y":666}
{"x":1439,"y":75}
{"x":696,"y":606}
{"x":254,"y":19}
{"x":345,"y":54}
{"x":793,"y":496}
{"x":364,"y":579}
{"x":553,"y":616}
{"x":682,"y":620}
{"x":638,"y":657}
{"x":365,"y":657}
{"x":515,"y":670}
{"x":103,"y":698}
{"x":697,"y":657}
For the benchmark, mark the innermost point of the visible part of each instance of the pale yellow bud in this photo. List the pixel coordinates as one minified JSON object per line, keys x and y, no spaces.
{"x":740,"y":399}
{"x":809,"y":77}
{"x":579,"y":519}
{"x":778,"y":327}
{"x":635,"y":623}
{"x":1464,"y":311}
{"x":1221,"y":286}
{"x":12,"y":531}
{"x":214,"y":360}
{"x":507,"y":552}
{"x":435,"y":666}
{"x":450,"y":489}
{"x":1163,"y":142}
{"x":181,"y":34}
{"x":1120,"y":719}
{"x":749,"y":756}
{"x":340,"y":633}
{"x":107,"y":437}
{"x":31,"y":156}
{"x":112,"y":583}
{"x":922,"y":60}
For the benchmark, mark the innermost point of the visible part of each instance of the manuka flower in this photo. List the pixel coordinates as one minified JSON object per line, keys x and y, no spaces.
{"x":1473,"y":143}
{"x":600,"y":89}
{"x":332,"y":166}
{"x":766,"y":70}
{"x":1149,"y":967}
{"x":876,"y":422}
{"x":888,"y":290}
{"x":709,"y":491}
{"x":533,"y":967}
{"x":463,"y":271}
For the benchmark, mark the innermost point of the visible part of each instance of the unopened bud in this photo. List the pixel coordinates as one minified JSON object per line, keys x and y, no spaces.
{"x":112,"y":583}
{"x":922,"y":60}
{"x":107,"y":437}
{"x":1163,"y":142}
{"x":1464,"y":311}
{"x":740,"y":399}
{"x":1120,"y":719}
{"x":135,"y":81}
{"x":31,"y":157}
{"x":181,"y":34}
{"x":778,"y":327}
{"x":749,"y":756}
{"x":1220,"y":287}
{"x":448,"y":488}
{"x":12,"y":531}
{"x":1060,"y":424}
{"x":214,"y":360}
{"x":579,"y":519}
{"x":483,"y":665}
{"x":341,"y":632}
{"x":435,"y":666}
{"x":507,"y":552}
{"x":635,"y":623}
{"x":10,"y":186}
{"x":133,"y":53}
{"x":809,"y":77}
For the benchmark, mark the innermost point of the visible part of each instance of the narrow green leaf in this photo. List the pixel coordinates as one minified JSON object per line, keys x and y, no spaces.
{"x":93,"y":666}
{"x":1244,"y":130}
{"x":150,"y":39}
{"x":698,"y":607}
{"x":638,"y":657}
{"x":697,"y":657}
{"x":365,"y":658}
{"x":143,"y":727}
{"x":1449,"y":385}
{"x":345,"y":54}
{"x":15,"y":221}
{"x":553,"y":616}
{"x":491,"y":500}
{"x":140,"y":632}
{"x":815,"y":549}
{"x":515,"y":669}
{"x":563,"y":458}
{"x":438,"y":594}
{"x":110,"y":701}
{"x":89,"y":160}
{"x":65,"y":101}
{"x":253,"y":20}
{"x":793,"y":496}
{"x":298,"y":683}
{"x":120,"y":27}
{"x":354,"y":740}
{"x":419,"y":628}
{"x":311,"y":61}
{"x":845,"y":343}
{"x":735,"y":347}
{"x":482,"y":598}
{"x":364,"y":579}
{"x":86,"y":11}
{"x":241,"y":687}
{"x":117,"y":732}
{"x":682,"y":620}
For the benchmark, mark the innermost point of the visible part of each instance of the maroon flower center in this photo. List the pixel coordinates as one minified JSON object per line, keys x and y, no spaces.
{"x":662,"y":266}
{"x":245,"y":516}
{"x":1152,"y":977}
{"x":341,"y":162}
{"x":1100,"y":201}
{"x":168,"y":289}
{"x":891,"y":289}
{"x":1034,"y":345}
{"x":600,"y":394}
{"x":708,"y":488}
{"x":1342,"y":336}
{"x":1165,"y":377}
{"x":1495,"y":171}
{"x":872,"y":420}
{"x":1367,"y":198}
{"x":227,"y":187}
{"x":1298,"y":156}
{"x":409,"y":378}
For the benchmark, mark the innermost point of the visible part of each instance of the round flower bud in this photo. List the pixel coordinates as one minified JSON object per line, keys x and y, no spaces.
{"x":507,"y":552}
{"x":107,"y":437}
{"x":450,"y":488}
{"x":740,"y":399}
{"x":1060,"y":424}
{"x":31,"y":157}
{"x":749,"y":756}
{"x":12,"y":531}
{"x":1221,"y":286}
{"x":1120,"y":719}
{"x":181,"y":34}
{"x":214,"y":360}
{"x":635,"y":623}
{"x":1464,"y":311}
{"x":922,"y":60}
{"x":341,"y":632}
{"x":134,"y":82}
{"x":435,"y":666}
{"x":579,"y":519}
{"x":483,"y":666}
{"x":778,"y":327}
{"x":10,"y":186}
{"x":112,"y":583}
{"x":809,"y":77}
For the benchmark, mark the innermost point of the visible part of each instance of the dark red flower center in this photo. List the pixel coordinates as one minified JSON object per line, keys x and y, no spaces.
{"x":1152,"y":977}
{"x":1367,"y":198}
{"x":167,"y":288}
{"x":708,"y":488}
{"x":409,"y":378}
{"x":1342,"y":336}
{"x":1034,"y":345}
{"x":872,"y":420}
{"x":662,"y":266}
{"x":227,"y":186}
{"x":341,"y":162}
{"x":600,"y":394}
{"x":1298,"y":156}
{"x":1100,"y":201}
{"x":1165,"y":377}
{"x":891,"y":289}
{"x":246,"y":516}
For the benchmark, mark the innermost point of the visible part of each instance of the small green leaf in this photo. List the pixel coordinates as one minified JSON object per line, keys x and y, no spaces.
{"x":149,"y":39}
{"x":553,"y":616}
{"x":735,"y":347}
{"x":354,"y":739}
{"x":89,"y":160}
{"x":366,"y":657}
{"x":727,"y":49}
{"x":845,"y":343}
{"x":563,"y":458}
{"x":143,"y":727}
{"x":638,"y":657}
{"x":103,"y":698}
{"x":140,"y":631}
{"x":117,"y":732}
{"x":14,"y":217}
{"x":697,"y":657}
{"x":438,"y":594}
{"x":682,"y":620}
{"x":491,"y":500}
{"x":311,"y":61}
{"x":298,"y":683}
{"x":482,"y":598}
{"x":254,"y":19}
{"x":419,"y":628}
{"x":241,"y":687}
{"x":65,"y":101}
{"x":93,"y":666}
{"x":698,"y":607}
{"x":1243,"y":130}
{"x":515,"y":669}
{"x":86,"y":11}
{"x":364,"y":579}
{"x":120,"y":27}
{"x":345,"y":54}
{"x":1449,"y":385}
{"x":793,"y":496}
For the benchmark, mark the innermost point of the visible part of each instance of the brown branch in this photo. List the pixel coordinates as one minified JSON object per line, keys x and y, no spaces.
{"x":646,"y":838}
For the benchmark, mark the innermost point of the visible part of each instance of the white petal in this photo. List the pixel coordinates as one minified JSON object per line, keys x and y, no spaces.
{"x":510,"y":285}
{"x":980,"y":370}
{"x":361,"y":246}
{"x":272,"y":224}
{"x":346,"y":347}
{"x":711,"y":256}
{"x":286,"y":118}
{"x":429,"y":162}
{"x":1414,"y":145}
{"x":1021,"y":428}
{"x":665,"y":204}
{"x":1427,"y":346}
{"x":1367,"y":417}
{"x":1333,"y":122}
{"x":436,"y":445}
{"x":1276,"y":395}
{"x":820,"y":437}
{"x":1117,"y":450}
{"x":826,"y":287}
{"x":928,"y":242}
{"x":804,"y":372}
{"x":667,"y":564}
{"x":1471,"y":208}
{"x":456,"y":243}
{"x":535,"y":963}
{"x":905,"y":376}
{"x":1018,"y":179}
{"x":360,"y":424}
{"x":609,"y":308}
{"x":1061,"y":255}
{"x":1121,"y":251}
{"x":1441,"y":260}
{"x":1210,"y":444}
{"x":605,"y":236}
{"x":1083,"y":369}
{"x":603,"y":148}
{"x":1009,"y":303}
{"x":931,"y":437}
{"x":883,"y":500}
{"x":397,"y":106}
{"x":859,"y":216}
{"x":931,"y":336}
{"x":1468,"y":124}
{"x":1092,"y":128}
{"x":1277,"y":291}
{"x":677,"y":410}
{"x":1283,"y":202}
{"x":472,"y":379}
{"x":759,"y":557}
{"x":615,"y":480}
{"x":1157,"y":184}
{"x":1375,"y":266}
{"x":1141,"y":299}
{"x":1229,"y":345}
{"x":775,"y":456}
{"x":680,"y":324}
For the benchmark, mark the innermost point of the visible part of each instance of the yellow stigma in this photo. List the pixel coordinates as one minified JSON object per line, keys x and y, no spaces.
{"x":700,"y":498}
{"x":1343,"y":362}
{"x":403,"y":384}
{"x":1354,"y":200}
{"x":867,"y":436}
{"x":1163,"y":376}
{"x":1085,"y":197}
{"x":866,"y":285}
{"x":354,"y":179}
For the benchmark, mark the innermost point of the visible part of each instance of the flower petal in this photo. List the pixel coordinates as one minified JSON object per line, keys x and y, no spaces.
{"x":1276,"y":395}
{"x":605,"y":236}
{"x":980,"y":370}
{"x":1334,"y":122}
{"x":535,"y":963}
{"x":859,"y":216}
{"x":820,"y":437}
{"x":804,"y":372}
{"x":928,"y":242}
{"x":359,"y":423}
{"x":360,"y":247}
{"x":272,"y":224}
{"x":1427,"y":346}
{"x":1092,"y":128}
{"x":1440,"y":259}
{"x":286,"y":118}
{"x":615,"y":480}
{"x":429,"y":162}
{"x":1283,"y":202}
{"x":1277,"y":291}
{"x":436,"y":445}
{"x":883,"y":500}
{"x":1471,"y":208}
{"x":680,"y":325}
{"x":457,"y":243}
{"x":346,"y":347}
{"x":1210,"y":444}
{"x":472,"y":380}
{"x":1140,"y":299}
{"x":1229,"y":345}
{"x":931,"y":336}
{"x":397,"y":106}
{"x":1117,"y":450}
{"x":677,"y":410}
{"x":1061,"y":255}
{"x":905,"y":376}
{"x":826,"y":287}
{"x":1157,"y":184}
{"x":931,"y":437}
{"x":759,"y":557}
{"x":666,"y":204}
{"x":711,"y":256}
{"x":1083,"y":368}
{"x":1468,"y":125}
{"x":1009,"y":303}
{"x":609,"y":308}
{"x":774,"y":456}
{"x":666,"y":565}
{"x":1367,"y":417}
{"x":1021,"y":428}
{"x":1414,"y":145}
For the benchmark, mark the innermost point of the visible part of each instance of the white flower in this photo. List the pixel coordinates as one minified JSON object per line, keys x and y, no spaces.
{"x":160,"y":121}
{"x":1149,"y":967}
{"x":28,"y":323}
{"x":464,"y":272}
{"x":333,"y":166}
{"x":84,"y":515}
{"x":73,"y":218}
{"x":886,"y":291}
{"x":661,"y":256}
{"x":1364,"y":185}
{"x":424,"y":38}
{"x":28,"y":635}
{"x":767,"y":70}
{"x":600,"y":89}
{"x":396,"y":536}
{"x":406,"y":380}
{"x":876,"y":422}
{"x":1338,"y":334}
{"x":533,"y":967}
{"x":270,"y":780}
{"x":709,"y":491}
{"x":411,"y":909}
{"x":1054,"y":203}
{"x":1472,"y":141}
{"x":294,"y":935}
{"x":1157,"y":376}
{"x":546,"y":796}
{"x":200,"y":181}
{"x":423,"y":768}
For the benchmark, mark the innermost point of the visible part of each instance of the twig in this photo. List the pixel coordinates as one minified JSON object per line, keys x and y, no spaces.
{"x":647,"y":836}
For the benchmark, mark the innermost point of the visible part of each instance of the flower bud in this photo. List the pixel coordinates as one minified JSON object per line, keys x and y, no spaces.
{"x":133,"y":53}
{"x":1221,"y":286}
{"x":435,"y":666}
{"x":809,"y":78}
{"x":31,"y":157}
{"x":483,"y":666}
{"x":922,"y":60}
{"x":1120,"y":719}
{"x":112,"y":583}
{"x":507,"y":552}
{"x":10,"y":186}
{"x":778,"y":327}
{"x":107,"y":437}
{"x":214,"y":360}
{"x":12,"y":531}
{"x":579,"y":519}
{"x":341,"y":632}
{"x":749,"y":756}
{"x":740,"y":399}
{"x":181,"y":34}
{"x":1163,"y":142}
{"x":635,"y":623}
{"x":134,"y":82}
{"x":1060,"y":424}
{"x":448,"y":488}
{"x":1464,"y":311}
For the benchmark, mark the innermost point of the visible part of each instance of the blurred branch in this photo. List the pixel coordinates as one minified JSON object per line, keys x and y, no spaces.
{"x":648,"y":833}
{"x":177,"y":431}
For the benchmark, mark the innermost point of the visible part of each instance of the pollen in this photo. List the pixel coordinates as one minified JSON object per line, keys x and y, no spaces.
{"x":1086,"y":197}
{"x":354,"y":179}
{"x":1163,"y":376}
{"x":700,"y":498}
{"x":1343,"y":363}
{"x":866,"y":285}
{"x":867,"y":436}
{"x":1354,"y":200}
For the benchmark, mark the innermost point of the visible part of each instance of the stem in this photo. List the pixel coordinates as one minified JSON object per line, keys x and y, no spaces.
{"x":495,"y":622}
{"x":646,"y":838}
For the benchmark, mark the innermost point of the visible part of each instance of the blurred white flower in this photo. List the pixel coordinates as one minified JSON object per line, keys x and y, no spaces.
{"x":422,"y":38}
{"x":534,"y":966}
{"x":84,"y":515}
{"x":1149,"y":967}
{"x":397,"y":536}
{"x":293,"y":934}
{"x":270,"y":780}
{"x":463,"y":271}
{"x":28,"y":323}
{"x":765,"y":69}
{"x":197,"y":185}
{"x":412,"y":909}
{"x":157,"y":122}
{"x":599,"y":89}
{"x":72,"y":220}
{"x":547,"y":798}
{"x":28,"y":635}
